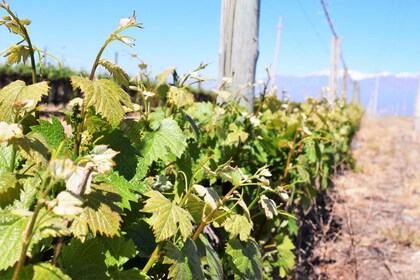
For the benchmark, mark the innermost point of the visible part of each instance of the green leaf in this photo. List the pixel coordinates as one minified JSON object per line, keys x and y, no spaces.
{"x":143,"y":237}
{"x":39,"y":271}
{"x":168,"y":217}
{"x":211,"y":197}
{"x":119,"y":74}
{"x":100,"y":212}
{"x":210,"y":258}
{"x":33,"y":148}
{"x":185,"y":262}
{"x":48,"y":224}
{"x":18,"y":91}
{"x":162,"y":77}
{"x":131,"y":274}
{"x":285,"y":258}
{"x":126,"y":159}
{"x":9,"y":188}
{"x":52,"y":132}
{"x":245,"y":259}
{"x":105,"y":96}
{"x":118,"y":251}
{"x":180,"y":97}
{"x":84,"y":260}
{"x":17,"y":53}
{"x":238,"y":225}
{"x":11,"y":231}
{"x":122,"y":186}
{"x":168,"y":137}
{"x":5,"y":158}
{"x":269,"y":206}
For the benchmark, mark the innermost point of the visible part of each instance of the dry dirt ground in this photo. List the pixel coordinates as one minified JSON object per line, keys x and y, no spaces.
{"x":377,"y":207}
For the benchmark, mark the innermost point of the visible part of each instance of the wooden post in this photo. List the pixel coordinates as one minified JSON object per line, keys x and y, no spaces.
{"x":344,"y":86}
{"x":356,"y":93}
{"x":417,"y":110}
{"x":276,"y":53}
{"x":373,"y":106}
{"x":335,"y":56}
{"x":239,"y":48}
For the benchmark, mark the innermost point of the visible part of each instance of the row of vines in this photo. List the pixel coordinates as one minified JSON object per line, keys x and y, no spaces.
{"x":178,"y":190}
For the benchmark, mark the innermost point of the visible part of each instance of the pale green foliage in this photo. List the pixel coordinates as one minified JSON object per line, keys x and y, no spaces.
{"x":33,"y":148}
{"x":105,"y":96}
{"x":185,"y":262}
{"x":286,"y":258}
{"x":238,"y":225}
{"x":162,"y":77}
{"x":168,"y":217}
{"x":116,"y":71}
{"x":52,"y":132}
{"x":17,"y":54}
{"x":9,"y":131}
{"x":180,"y":97}
{"x":16,"y":92}
{"x":11,"y":229}
{"x":269,"y":207}
{"x":168,"y":137}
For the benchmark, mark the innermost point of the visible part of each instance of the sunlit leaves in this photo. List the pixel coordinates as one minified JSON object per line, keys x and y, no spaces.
{"x":238,"y":225}
{"x":105,"y":96}
{"x":168,"y":217}
{"x":118,"y":251}
{"x":11,"y":231}
{"x":17,"y":54}
{"x":116,"y":71}
{"x":18,"y":91}
{"x":167,"y":138}
{"x":180,"y":97}
{"x":53,"y":131}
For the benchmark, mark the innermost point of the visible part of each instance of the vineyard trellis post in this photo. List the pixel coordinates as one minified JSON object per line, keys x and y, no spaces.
{"x":333,"y":79}
{"x":238,"y":52}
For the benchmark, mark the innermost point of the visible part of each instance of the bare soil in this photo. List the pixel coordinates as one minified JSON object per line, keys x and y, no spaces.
{"x":372,"y":228}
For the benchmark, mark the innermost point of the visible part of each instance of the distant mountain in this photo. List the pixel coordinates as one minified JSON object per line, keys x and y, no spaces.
{"x":396,"y":94}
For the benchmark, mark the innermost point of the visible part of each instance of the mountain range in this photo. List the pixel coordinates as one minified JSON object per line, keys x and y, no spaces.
{"x":396,"y":92}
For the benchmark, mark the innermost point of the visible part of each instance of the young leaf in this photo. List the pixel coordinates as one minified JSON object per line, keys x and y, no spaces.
{"x":162,"y":77}
{"x":105,"y":96}
{"x":17,"y":53}
{"x":168,"y":217}
{"x":52,"y":132}
{"x":118,"y":251}
{"x":122,"y":186}
{"x":100,"y":212}
{"x":33,"y":148}
{"x":5,"y":158}
{"x":84,"y":260}
{"x":211,"y":197}
{"x":18,"y":91}
{"x":119,"y":74}
{"x":269,"y":206}
{"x":180,"y":97}
{"x":185,"y":262}
{"x":238,"y":225}
{"x":11,"y":232}
{"x":245,"y":258}
{"x":167,"y":137}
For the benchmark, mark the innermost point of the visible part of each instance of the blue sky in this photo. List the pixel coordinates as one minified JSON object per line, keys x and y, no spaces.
{"x":376,"y":35}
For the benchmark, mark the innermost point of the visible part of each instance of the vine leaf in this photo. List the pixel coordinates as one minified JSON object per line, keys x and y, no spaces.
{"x":53,"y":132}
{"x":167,"y":217}
{"x":84,"y":260}
{"x":9,"y":188}
{"x":100,"y":212}
{"x":39,"y":271}
{"x":286,"y":258}
{"x":168,"y":137}
{"x":210,"y":258}
{"x":118,"y":251}
{"x":116,"y":71}
{"x":122,"y":186}
{"x":269,"y":207}
{"x":105,"y":96}
{"x":238,"y":225}
{"x":180,"y":97}
{"x":245,"y":258}
{"x":17,"y":53}
{"x":211,"y":197}
{"x":33,"y":148}
{"x":162,"y":77}
{"x":11,"y":231}
{"x":5,"y":157}
{"x":16,"y":92}
{"x":185,"y":262}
